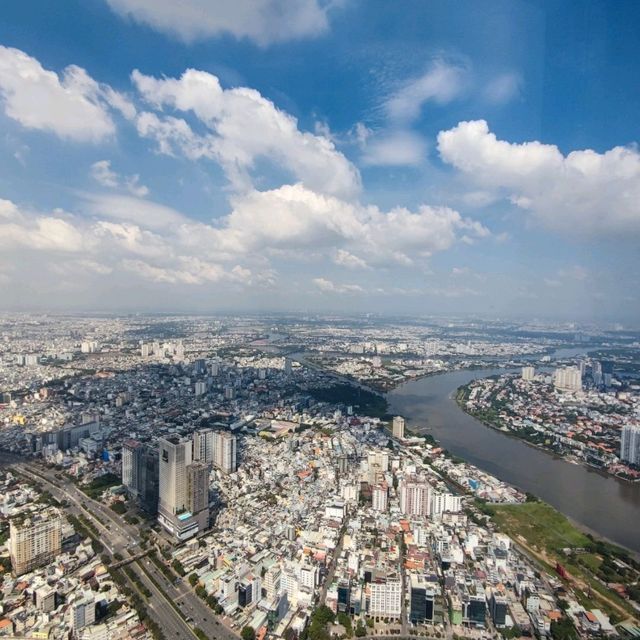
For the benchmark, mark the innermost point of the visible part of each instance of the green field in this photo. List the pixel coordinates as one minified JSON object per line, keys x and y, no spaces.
{"x":590,"y":560}
{"x":540,"y":524}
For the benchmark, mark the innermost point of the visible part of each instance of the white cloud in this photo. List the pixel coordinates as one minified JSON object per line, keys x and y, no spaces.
{"x":263,"y":21}
{"x":441,"y":83}
{"x":327,"y":286}
{"x":103,"y":174}
{"x":122,"y":207}
{"x":348,"y":260}
{"x":394,"y":148}
{"x":73,"y":106}
{"x":243,"y":127}
{"x":294,"y":217}
{"x":584,"y":192}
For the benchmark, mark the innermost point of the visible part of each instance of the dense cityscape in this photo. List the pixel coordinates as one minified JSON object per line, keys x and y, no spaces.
{"x":166,"y":476}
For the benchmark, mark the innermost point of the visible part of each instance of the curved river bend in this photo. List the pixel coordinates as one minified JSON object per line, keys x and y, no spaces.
{"x":600,"y":503}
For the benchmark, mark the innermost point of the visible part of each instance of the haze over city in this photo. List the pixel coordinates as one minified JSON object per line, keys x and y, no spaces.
{"x":406,"y":158}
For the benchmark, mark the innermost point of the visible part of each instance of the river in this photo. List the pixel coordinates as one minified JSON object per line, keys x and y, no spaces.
{"x":599,"y":503}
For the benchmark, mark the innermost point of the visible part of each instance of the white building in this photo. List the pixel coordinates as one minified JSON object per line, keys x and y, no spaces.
{"x":630,"y":444}
{"x":528,"y":373}
{"x":445,"y":503}
{"x":568,"y":379}
{"x":398,"y":427}
{"x":386,"y":597}
{"x":380,"y":497}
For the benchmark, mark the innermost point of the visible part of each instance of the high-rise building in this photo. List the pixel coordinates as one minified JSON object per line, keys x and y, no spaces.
{"x":225,"y":452}
{"x":568,"y":379}
{"x":386,"y":597}
{"x":34,"y":540}
{"x":204,"y":445}
{"x":82,"y":611}
{"x":200,"y":388}
{"x":174,"y":500}
{"x":197,"y":487}
{"x":498,"y":606}
{"x":630,"y":444}
{"x":528,"y":373}
{"x":444,"y":503}
{"x":415,"y":497}
{"x":421,"y":608}
{"x":132,"y":451}
{"x":140,"y":474}
{"x":398,"y":427}
{"x":379,"y":497}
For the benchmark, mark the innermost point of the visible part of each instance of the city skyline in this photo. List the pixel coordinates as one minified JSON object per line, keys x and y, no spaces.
{"x":320,"y":157}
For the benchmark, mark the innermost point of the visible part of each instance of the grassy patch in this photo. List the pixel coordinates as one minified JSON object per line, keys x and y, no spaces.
{"x":540,"y":524}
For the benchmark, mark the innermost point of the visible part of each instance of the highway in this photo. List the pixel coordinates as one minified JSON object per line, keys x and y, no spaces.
{"x":120,"y":537}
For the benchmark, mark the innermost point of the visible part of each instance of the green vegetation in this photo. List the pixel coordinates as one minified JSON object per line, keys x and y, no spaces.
{"x":247,"y":633}
{"x":100,"y":484}
{"x":539,"y":524}
{"x":367,"y":402}
{"x":317,"y":629}
{"x":119,"y":507}
{"x":563,"y":629}
{"x":591,"y":562}
{"x":345,"y":620}
{"x":178,"y":568}
{"x":193,"y":579}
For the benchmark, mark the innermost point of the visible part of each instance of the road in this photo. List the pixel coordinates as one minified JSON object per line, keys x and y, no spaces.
{"x":120,"y":537}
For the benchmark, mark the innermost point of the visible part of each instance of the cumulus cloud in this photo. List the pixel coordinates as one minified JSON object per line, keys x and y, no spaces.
{"x":242,"y":127}
{"x":294,"y":217}
{"x":263,"y":21}
{"x":584,"y":192}
{"x":73,"y":106}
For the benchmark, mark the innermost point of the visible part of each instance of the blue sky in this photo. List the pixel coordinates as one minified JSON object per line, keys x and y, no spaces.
{"x":410,"y":157}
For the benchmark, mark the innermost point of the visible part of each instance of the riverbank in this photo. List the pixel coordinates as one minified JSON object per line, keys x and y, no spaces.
{"x":532,"y":438}
{"x":596,"y":502}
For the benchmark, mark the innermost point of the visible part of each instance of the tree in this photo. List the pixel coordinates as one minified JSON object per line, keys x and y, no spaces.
{"x":248,"y":633}
{"x":361,"y":630}
{"x":193,"y":579}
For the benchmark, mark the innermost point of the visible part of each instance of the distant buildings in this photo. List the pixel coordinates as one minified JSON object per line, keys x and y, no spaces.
{"x":398,"y":427}
{"x":630,"y":444}
{"x":528,"y":373}
{"x":35,"y":540}
{"x":568,"y":379}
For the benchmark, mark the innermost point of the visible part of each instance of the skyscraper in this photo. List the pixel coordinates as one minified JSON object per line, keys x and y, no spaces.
{"x":398,"y":427}
{"x":204,"y":445}
{"x":175,"y":498}
{"x":140,"y":474}
{"x":630,"y":444}
{"x":225,"y":452}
